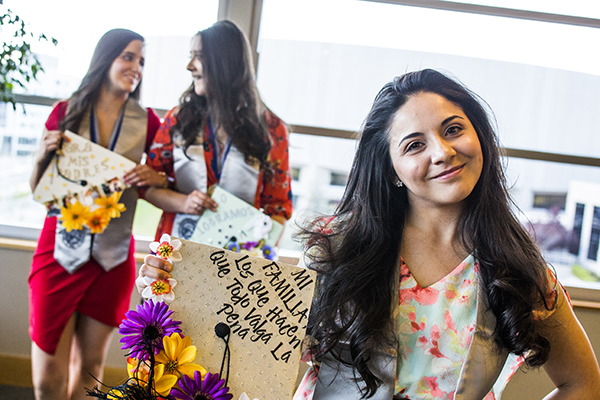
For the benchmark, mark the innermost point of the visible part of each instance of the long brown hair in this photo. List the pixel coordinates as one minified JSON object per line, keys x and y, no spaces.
{"x":357,"y":254}
{"x":232,"y":99}
{"x":109,"y":47}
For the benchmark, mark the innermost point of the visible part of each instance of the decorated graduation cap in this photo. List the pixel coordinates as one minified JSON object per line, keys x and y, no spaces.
{"x":246,"y":315}
{"x":235,"y":222}
{"x":79,"y":167}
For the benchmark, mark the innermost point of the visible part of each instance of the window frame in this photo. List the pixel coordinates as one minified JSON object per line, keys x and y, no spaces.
{"x":248,"y":15}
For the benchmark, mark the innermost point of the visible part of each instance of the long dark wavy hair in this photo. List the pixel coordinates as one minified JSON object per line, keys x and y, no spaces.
{"x":232,"y":101}
{"x":357,"y":252}
{"x":109,"y":47}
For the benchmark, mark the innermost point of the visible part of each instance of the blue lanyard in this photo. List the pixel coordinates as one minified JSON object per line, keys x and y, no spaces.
{"x":94,"y":136}
{"x":215,"y":148}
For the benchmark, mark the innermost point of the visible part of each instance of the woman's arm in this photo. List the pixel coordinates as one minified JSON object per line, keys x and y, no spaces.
{"x":275,"y":194}
{"x":279,"y":218}
{"x":175,"y":202}
{"x":143,"y":175}
{"x":146,"y":174}
{"x":49,"y":143}
{"x":572,"y":365}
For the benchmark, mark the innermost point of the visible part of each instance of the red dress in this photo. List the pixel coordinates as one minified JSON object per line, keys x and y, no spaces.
{"x":54,"y":293}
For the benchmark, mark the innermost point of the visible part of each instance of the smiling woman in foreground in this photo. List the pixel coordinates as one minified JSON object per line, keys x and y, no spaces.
{"x":429,"y":286}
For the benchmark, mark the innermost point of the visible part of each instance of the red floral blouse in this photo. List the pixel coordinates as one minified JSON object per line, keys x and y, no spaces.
{"x":274,"y":194}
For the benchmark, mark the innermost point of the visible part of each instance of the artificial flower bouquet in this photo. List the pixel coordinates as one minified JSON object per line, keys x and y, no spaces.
{"x":160,"y":361}
{"x":93,"y":211}
{"x":256,"y":249}
{"x":83,"y":184}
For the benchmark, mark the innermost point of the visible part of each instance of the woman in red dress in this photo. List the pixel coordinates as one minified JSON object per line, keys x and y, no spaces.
{"x":80,"y":283}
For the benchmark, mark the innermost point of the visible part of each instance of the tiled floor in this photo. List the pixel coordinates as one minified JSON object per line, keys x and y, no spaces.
{"x":16,"y":393}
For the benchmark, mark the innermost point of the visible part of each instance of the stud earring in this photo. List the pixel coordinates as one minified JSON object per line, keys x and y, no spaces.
{"x":399,"y":183}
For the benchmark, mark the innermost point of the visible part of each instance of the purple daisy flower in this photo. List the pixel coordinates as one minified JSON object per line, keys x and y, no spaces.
{"x":145,"y":328}
{"x":212,"y":388}
{"x":249,"y":245}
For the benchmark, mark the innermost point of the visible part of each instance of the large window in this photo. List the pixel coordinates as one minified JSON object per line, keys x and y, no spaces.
{"x":576,"y":8}
{"x":322,"y":62}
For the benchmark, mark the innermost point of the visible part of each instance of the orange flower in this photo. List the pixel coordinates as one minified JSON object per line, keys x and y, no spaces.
{"x":98,"y":221}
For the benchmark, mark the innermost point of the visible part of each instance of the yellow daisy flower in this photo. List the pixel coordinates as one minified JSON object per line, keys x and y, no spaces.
{"x":110,"y":205}
{"x":74,"y":216}
{"x":162,"y":382}
{"x":98,"y":221}
{"x":178,"y":355}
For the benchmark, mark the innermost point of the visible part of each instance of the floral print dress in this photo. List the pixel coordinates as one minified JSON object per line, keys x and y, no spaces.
{"x":435,"y":329}
{"x":436,"y":325}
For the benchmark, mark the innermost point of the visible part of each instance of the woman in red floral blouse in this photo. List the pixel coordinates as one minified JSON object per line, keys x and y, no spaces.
{"x":221,"y":133}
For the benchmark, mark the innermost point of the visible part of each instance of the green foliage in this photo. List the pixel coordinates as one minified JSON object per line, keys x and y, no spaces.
{"x":18,"y":65}
{"x":584,"y":274}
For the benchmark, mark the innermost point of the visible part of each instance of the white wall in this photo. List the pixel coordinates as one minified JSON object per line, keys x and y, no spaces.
{"x":14,"y":308}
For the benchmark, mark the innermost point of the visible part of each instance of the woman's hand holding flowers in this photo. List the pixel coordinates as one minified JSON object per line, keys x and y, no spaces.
{"x":153,"y":267}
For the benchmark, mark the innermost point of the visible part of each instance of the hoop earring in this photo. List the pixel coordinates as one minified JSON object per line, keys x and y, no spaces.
{"x":399,"y":183}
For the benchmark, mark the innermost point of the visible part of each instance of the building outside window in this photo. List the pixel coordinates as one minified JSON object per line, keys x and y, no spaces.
{"x":540,"y":79}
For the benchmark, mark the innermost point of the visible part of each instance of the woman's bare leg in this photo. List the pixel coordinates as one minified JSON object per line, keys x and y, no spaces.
{"x":50,"y":372}
{"x":91,"y":341}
